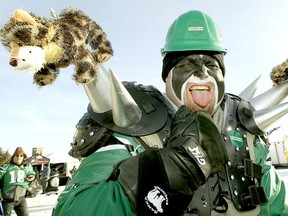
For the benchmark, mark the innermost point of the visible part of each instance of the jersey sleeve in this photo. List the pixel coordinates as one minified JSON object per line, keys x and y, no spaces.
{"x":271,"y":182}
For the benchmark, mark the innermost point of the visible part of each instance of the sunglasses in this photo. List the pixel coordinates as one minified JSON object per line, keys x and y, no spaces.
{"x":19,"y":155}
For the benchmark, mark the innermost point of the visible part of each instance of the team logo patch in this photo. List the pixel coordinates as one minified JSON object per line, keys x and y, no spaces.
{"x":236,"y":138}
{"x":155,"y":200}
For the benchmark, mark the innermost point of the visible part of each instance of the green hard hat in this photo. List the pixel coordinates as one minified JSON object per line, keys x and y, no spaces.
{"x":193,"y":30}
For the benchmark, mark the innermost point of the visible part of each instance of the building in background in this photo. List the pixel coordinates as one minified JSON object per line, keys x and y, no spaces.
{"x":278,"y":146}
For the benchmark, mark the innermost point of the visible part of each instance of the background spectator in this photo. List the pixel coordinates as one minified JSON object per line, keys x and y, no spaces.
{"x":15,"y":177}
{"x":45,"y":177}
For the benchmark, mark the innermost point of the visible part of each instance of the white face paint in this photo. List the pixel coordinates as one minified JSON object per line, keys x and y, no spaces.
{"x":200,"y":94}
{"x":170,"y":91}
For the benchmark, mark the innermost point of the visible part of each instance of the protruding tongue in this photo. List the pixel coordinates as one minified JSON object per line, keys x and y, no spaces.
{"x":201,"y":97}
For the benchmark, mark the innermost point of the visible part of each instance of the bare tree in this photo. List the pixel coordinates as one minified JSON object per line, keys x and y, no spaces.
{"x":4,"y":156}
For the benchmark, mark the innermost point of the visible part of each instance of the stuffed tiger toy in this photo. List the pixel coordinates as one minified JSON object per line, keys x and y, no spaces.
{"x":43,"y":46}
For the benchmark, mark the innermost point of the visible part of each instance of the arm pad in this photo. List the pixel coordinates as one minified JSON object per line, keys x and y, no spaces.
{"x":161,"y":172}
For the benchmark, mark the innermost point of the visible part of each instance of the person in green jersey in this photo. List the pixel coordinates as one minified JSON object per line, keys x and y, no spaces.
{"x":14,"y":178}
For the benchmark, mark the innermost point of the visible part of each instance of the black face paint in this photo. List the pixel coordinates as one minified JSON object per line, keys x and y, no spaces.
{"x":200,"y":66}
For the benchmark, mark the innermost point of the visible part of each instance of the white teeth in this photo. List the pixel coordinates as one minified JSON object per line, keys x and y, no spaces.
{"x":199,"y":88}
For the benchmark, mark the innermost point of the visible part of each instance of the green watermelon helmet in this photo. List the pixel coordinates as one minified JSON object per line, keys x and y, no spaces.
{"x":193,"y":31}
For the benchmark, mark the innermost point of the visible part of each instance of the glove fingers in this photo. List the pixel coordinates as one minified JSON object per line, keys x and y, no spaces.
{"x":211,"y":140}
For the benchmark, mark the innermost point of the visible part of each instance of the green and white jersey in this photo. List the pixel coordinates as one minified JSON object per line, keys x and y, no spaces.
{"x":12,"y":175}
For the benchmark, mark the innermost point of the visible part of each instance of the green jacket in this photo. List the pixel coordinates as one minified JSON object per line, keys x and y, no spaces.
{"x":274,"y":187}
{"x":89,"y":194}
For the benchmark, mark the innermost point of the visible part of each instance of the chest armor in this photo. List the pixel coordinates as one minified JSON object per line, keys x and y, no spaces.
{"x":239,"y":179}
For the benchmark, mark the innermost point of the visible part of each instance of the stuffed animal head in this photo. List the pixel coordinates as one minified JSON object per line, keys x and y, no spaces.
{"x":42,"y":45}
{"x":31,"y":58}
{"x":19,"y":36}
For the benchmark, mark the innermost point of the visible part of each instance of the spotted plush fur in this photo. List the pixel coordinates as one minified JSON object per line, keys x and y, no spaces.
{"x":79,"y":40}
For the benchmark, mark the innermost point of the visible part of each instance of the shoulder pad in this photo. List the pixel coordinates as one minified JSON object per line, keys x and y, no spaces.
{"x":244,"y":113}
{"x":155,"y":111}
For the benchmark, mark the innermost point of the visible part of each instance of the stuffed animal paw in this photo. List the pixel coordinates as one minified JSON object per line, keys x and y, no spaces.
{"x":279,"y":73}
{"x":46,"y":76}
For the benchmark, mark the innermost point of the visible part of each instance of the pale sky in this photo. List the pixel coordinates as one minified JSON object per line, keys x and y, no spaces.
{"x":255,"y":34}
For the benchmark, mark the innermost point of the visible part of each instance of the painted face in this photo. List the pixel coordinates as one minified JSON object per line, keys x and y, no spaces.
{"x":197,"y":82}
